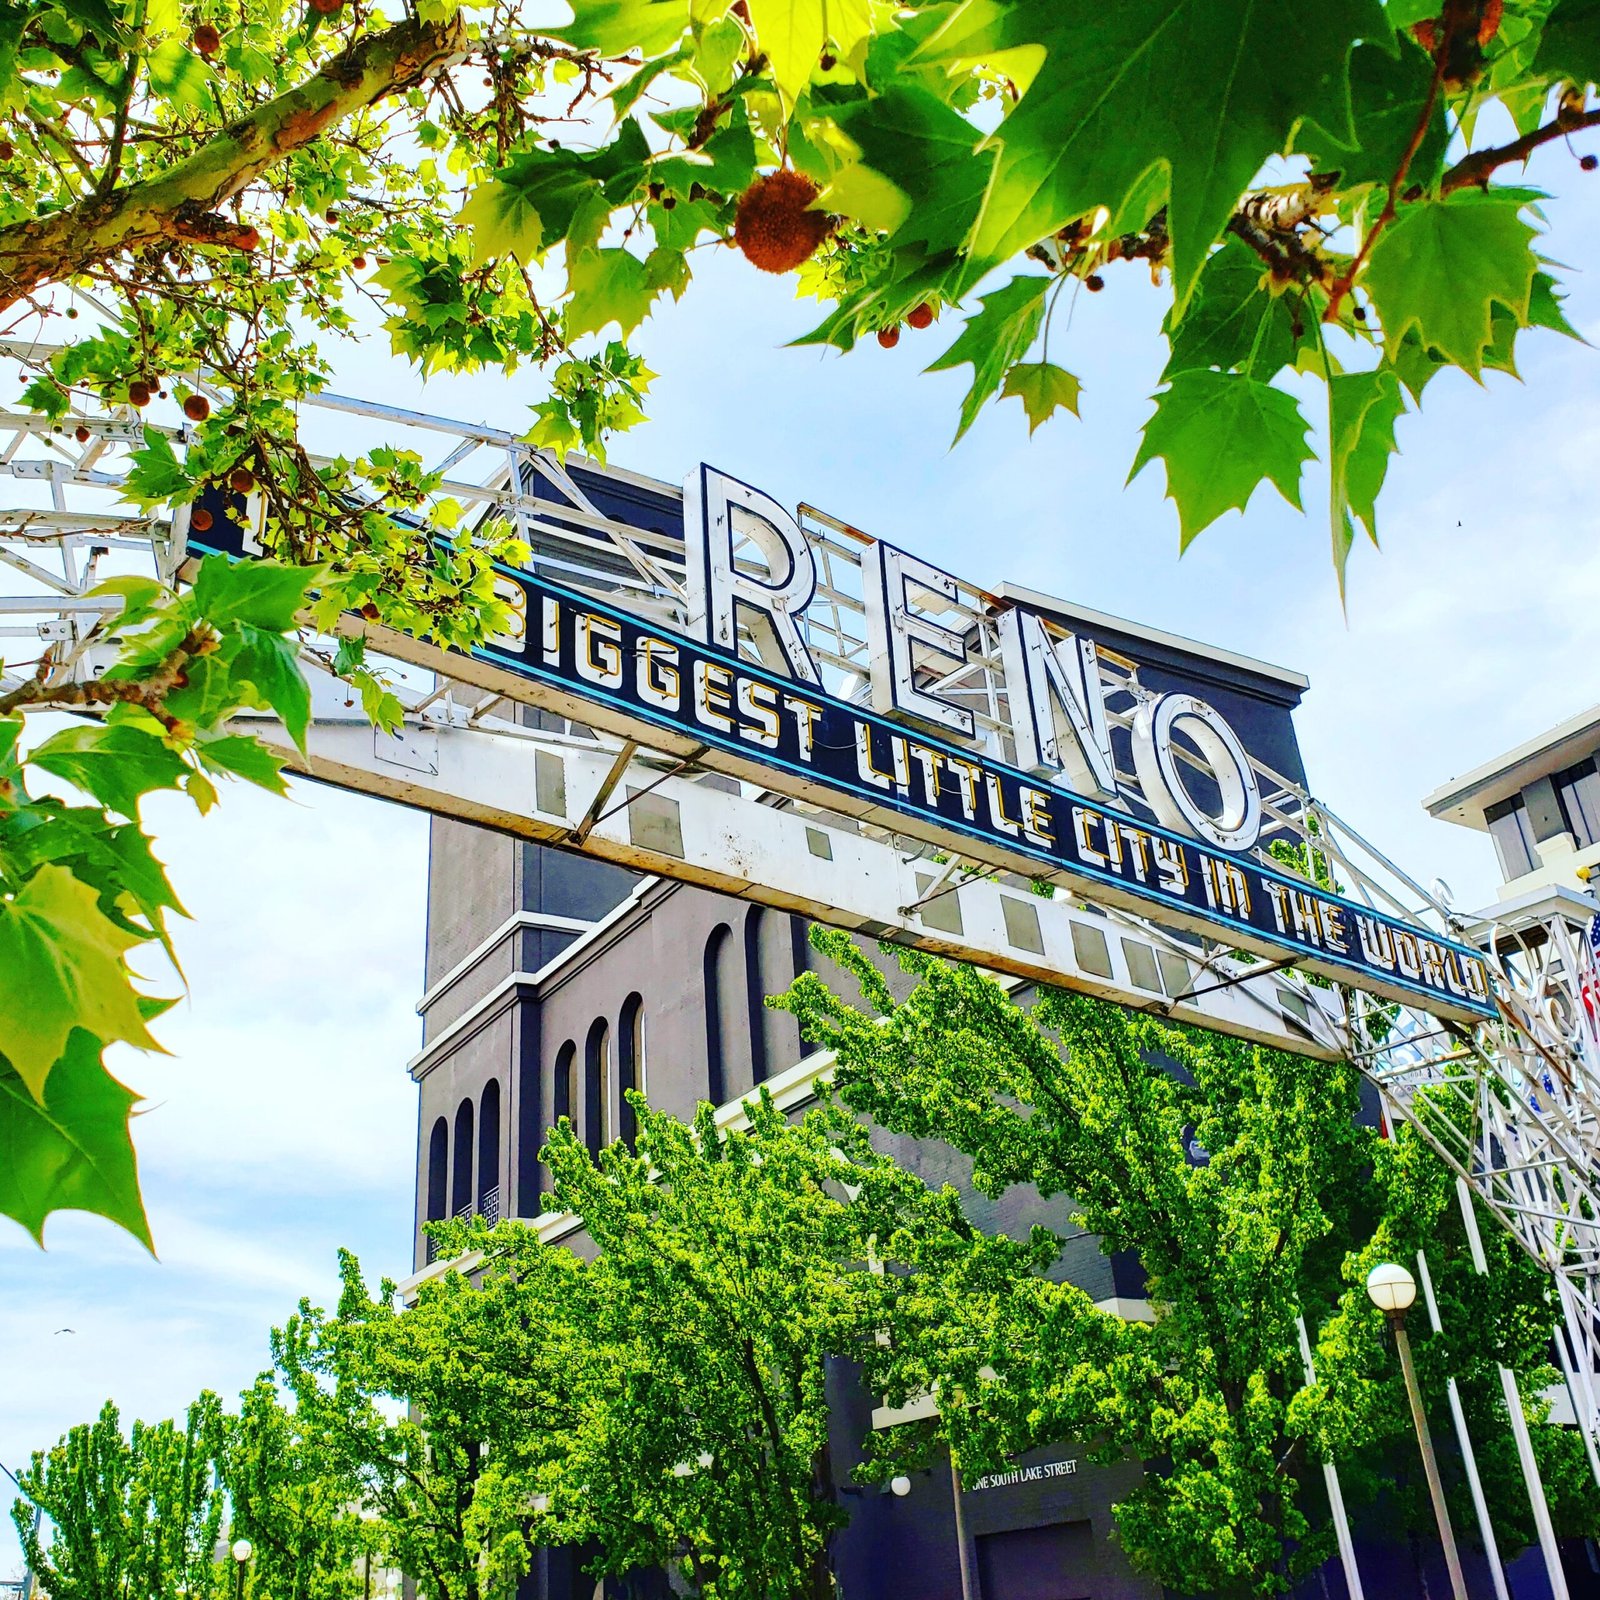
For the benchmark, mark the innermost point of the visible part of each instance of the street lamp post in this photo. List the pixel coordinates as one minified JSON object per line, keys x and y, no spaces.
{"x":1392,"y":1289}
{"x":241,"y":1551}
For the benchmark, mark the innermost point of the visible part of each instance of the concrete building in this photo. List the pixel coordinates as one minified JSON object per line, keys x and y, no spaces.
{"x":1540,"y":805}
{"x":556,"y":983}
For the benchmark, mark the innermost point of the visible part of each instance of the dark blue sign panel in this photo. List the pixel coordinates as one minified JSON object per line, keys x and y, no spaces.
{"x":586,"y":647}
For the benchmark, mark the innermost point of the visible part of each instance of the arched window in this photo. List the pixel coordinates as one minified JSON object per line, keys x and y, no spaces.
{"x":597,"y":1086}
{"x":461,"y":1176}
{"x":800,"y":949}
{"x":438,"y":1170}
{"x":754,"y":994}
{"x":489,"y":1152}
{"x":630,"y":1064}
{"x":563,"y":1097}
{"x":716,"y":1036}
{"x":769,"y":969}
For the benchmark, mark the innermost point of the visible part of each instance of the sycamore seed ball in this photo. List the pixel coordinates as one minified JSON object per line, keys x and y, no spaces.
{"x":774,"y":227}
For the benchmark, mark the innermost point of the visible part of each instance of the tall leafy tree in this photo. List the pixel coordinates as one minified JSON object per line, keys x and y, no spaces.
{"x":410,"y":1406}
{"x":133,"y":1516}
{"x":201,"y":199}
{"x":295,"y":1503}
{"x":736,"y":1268}
{"x":1250,"y":1193}
{"x":663,"y":1405}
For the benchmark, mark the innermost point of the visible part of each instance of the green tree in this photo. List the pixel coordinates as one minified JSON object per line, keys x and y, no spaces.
{"x":294,"y":1504}
{"x":735,"y":1268}
{"x":664,"y":1404}
{"x":134,"y":1516}
{"x":1250,"y":1194}
{"x":201,"y":200}
{"x":410,"y":1406}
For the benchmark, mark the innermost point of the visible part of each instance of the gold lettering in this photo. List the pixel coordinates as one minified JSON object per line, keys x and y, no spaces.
{"x":656,"y":676}
{"x":759,"y":702}
{"x":805,"y":722}
{"x":599,"y":652}
{"x":1140,"y":841}
{"x":1036,"y":816}
{"x":966,"y":774}
{"x":1172,"y":866}
{"x":1082,"y":821}
{"x":711,"y":703}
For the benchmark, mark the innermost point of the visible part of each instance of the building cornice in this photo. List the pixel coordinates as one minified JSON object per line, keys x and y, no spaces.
{"x":520,"y":919}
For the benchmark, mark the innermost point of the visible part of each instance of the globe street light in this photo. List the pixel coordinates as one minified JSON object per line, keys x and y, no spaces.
{"x":1392,"y":1290}
{"x":241,"y":1551}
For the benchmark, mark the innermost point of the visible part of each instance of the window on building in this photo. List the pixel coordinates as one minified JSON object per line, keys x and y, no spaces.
{"x":1578,"y":789}
{"x":597,"y":1086}
{"x":489,"y":1152}
{"x":461,"y":1178}
{"x":716,"y":1007}
{"x":800,"y":952}
{"x":630,"y":1064}
{"x":438,"y":1170}
{"x":1513,"y":837}
{"x":563,"y":1095}
{"x":755,"y":994}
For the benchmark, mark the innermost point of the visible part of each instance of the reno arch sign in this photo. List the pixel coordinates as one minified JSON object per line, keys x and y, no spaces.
{"x":852,"y":675}
{"x":1052,"y":687}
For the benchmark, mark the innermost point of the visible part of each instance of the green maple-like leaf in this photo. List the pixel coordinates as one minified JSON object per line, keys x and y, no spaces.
{"x":1363,"y":408}
{"x":928,"y":151}
{"x":994,"y":339}
{"x":61,"y":952}
{"x":1570,"y":45}
{"x":1235,"y":321}
{"x":609,"y":286}
{"x":72,"y":1150}
{"x":793,"y":33}
{"x":117,"y":763}
{"x":268,"y":676}
{"x":503,"y":222}
{"x":1389,"y":89}
{"x":46,"y":395}
{"x":1442,"y":266}
{"x":265,"y":594}
{"x":1043,"y":388}
{"x":242,"y":756}
{"x":614,"y":27}
{"x":155,"y":476}
{"x":1100,"y":111}
{"x":1221,"y":435}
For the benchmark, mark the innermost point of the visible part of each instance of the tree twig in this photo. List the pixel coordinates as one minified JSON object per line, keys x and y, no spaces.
{"x":1474,"y":170}
{"x":1441,"y":56}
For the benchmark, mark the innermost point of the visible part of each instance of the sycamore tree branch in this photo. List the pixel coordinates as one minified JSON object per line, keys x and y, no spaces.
{"x":1453,"y":19}
{"x":180,"y":202}
{"x":150,"y":691}
{"x":1474,"y":170}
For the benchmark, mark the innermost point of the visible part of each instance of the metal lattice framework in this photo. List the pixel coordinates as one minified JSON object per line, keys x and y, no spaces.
{"x":1512,"y":1105}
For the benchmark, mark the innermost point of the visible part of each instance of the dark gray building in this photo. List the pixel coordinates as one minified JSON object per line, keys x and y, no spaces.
{"x":556,"y":983}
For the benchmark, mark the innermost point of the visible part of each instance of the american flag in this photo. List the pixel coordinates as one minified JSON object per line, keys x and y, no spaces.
{"x":1589,"y":977}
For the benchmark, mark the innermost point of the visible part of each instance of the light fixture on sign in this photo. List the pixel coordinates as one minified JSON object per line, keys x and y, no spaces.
{"x":900,"y":1485}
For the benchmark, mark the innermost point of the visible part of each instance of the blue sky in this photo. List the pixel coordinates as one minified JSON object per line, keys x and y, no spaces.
{"x":282,"y":1125}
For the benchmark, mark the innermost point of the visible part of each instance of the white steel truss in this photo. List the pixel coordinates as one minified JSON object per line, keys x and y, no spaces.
{"x":1512,"y":1105}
